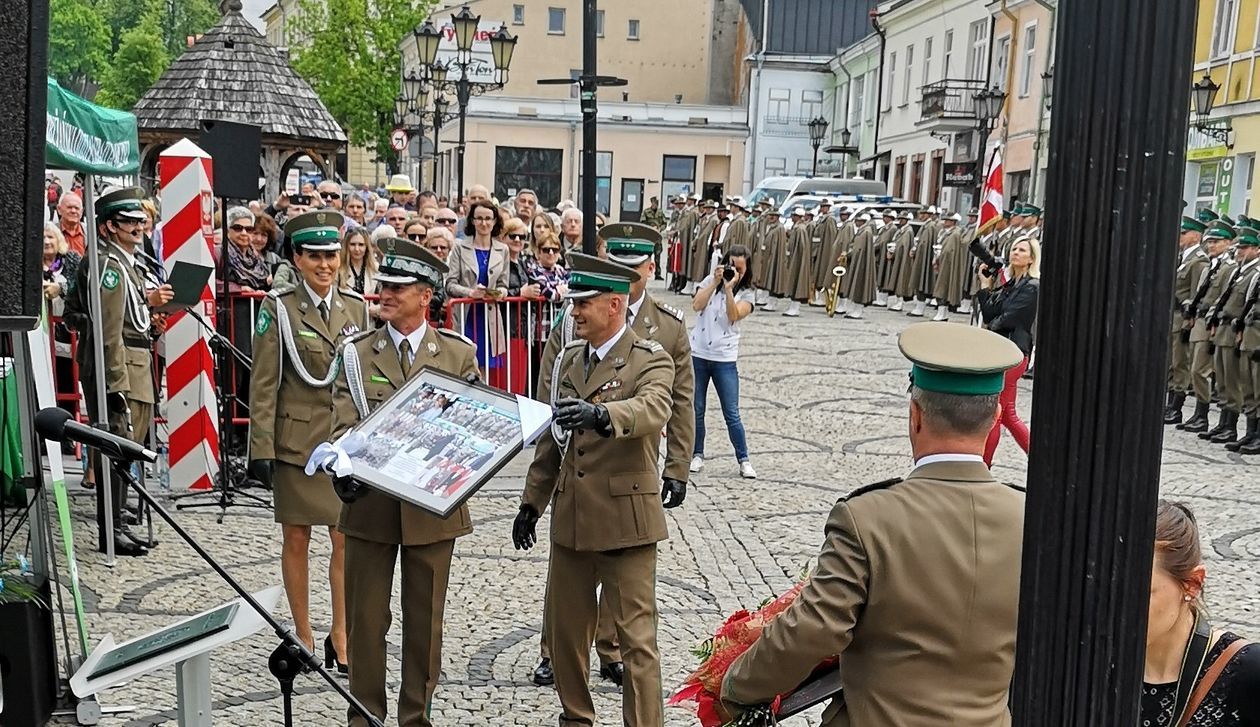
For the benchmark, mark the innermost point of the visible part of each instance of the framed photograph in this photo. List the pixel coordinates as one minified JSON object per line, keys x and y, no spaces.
{"x":438,"y":439}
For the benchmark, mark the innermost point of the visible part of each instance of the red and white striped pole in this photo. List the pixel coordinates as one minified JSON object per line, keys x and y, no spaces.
{"x":188,"y":235}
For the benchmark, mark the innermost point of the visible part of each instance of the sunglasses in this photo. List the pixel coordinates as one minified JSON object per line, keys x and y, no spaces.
{"x":517,"y":236}
{"x":484,"y":219}
{"x":447,"y":220}
{"x":241,"y":228}
{"x":549,"y":250}
{"x":415,"y":236}
{"x":330,"y":195}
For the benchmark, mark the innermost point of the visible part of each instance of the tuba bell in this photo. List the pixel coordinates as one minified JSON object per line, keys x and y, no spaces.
{"x":833,"y":292}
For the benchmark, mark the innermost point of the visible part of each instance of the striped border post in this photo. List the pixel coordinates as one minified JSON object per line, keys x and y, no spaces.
{"x":192,"y":402}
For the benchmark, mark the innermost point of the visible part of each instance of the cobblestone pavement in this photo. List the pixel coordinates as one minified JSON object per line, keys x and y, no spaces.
{"x":824,"y":405}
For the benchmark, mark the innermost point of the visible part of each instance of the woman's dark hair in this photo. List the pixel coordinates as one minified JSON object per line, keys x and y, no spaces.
{"x":470,"y":229}
{"x":264,"y":224}
{"x":738,"y":251}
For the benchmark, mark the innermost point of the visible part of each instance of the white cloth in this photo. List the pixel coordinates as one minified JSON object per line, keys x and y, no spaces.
{"x":415,"y":337}
{"x":635,"y":307}
{"x":315,"y":299}
{"x":715,"y":337}
{"x":334,"y":457}
{"x":603,"y":350}
{"x":934,"y":458}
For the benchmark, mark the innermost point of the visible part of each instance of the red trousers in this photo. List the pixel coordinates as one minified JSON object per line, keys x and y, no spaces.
{"x":1010,"y":417}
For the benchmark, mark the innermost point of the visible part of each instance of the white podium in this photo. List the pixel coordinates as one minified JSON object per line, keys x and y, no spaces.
{"x":191,"y":659}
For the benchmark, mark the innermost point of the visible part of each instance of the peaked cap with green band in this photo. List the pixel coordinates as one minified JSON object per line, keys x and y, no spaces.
{"x":404,"y":262}
{"x":954,"y":358}
{"x":121,"y":202}
{"x":1190,"y":224}
{"x":1220,"y":231}
{"x":1248,"y":239}
{"x":629,"y":243}
{"x":1031,"y":210}
{"x":315,"y":231}
{"x":590,"y":277}
{"x":1207,"y":215}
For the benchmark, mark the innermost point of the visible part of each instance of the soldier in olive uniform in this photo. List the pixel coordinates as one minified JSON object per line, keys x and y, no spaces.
{"x":950,"y":261}
{"x":627,"y":244}
{"x":654,"y":217}
{"x":798,"y":267}
{"x":1220,"y":316}
{"x":826,"y":232}
{"x":908,"y":561}
{"x":860,"y":281}
{"x":125,"y":340}
{"x":708,"y":233}
{"x":885,"y":251}
{"x":1191,"y":264}
{"x":597,"y":468}
{"x":378,"y":527}
{"x":737,"y":232}
{"x":1249,"y":345}
{"x":1211,"y":284}
{"x":1236,"y":389}
{"x":922,"y":256}
{"x":899,"y":269}
{"x":297,"y":336}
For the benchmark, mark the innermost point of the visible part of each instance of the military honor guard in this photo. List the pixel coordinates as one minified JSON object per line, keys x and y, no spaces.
{"x":798,"y":269}
{"x":859,"y":282}
{"x":765,"y":251}
{"x":885,"y":250}
{"x":1217,"y":239}
{"x":709,"y":229}
{"x":1249,"y":347}
{"x":951,"y":264}
{"x":739,"y":230}
{"x":971,"y":268}
{"x":897,"y":278}
{"x":597,"y":469}
{"x":1192,"y":264}
{"x":297,"y":338}
{"x":380,"y":530}
{"x":907,"y":560}
{"x":773,"y":253}
{"x":826,"y":232}
{"x":684,"y":231}
{"x":922,"y":258}
{"x":127,"y":294}
{"x":1229,"y":316}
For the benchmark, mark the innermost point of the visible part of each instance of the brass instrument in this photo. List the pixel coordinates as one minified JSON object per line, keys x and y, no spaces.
{"x":833,"y":293}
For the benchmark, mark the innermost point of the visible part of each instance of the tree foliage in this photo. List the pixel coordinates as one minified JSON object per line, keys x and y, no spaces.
{"x":138,"y":63}
{"x":78,"y":43}
{"x":349,"y":53}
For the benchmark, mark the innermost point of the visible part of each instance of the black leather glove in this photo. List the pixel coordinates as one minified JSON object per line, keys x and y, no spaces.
{"x":1238,"y":325}
{"x":578,"y":414}
{"x":263,"y":470}
{"x":673,"y":492}
{"x":116,"y":403}
{"x":523,"y":536}
{"x":347,"y":488}
{"x":1187,"y":311}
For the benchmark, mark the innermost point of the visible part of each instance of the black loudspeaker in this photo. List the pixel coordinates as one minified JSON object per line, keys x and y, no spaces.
{"x":28,"y":662}
{"x":24,"y":41}
{"x":236,"y":150}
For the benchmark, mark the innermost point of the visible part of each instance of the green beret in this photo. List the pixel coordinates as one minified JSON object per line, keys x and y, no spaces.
{"x":954,"y":358}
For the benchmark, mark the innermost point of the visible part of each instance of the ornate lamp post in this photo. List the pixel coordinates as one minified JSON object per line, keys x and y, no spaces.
{"x":817,"y":130}
{"x":987,"y":106}
{"x":1204,"y":97}
{"x":434,"y":75}
{"x":845,"y":149}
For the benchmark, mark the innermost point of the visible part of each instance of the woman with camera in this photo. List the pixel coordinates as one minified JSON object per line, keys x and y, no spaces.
{"x":1011,"y":310}
{"x":723,"y":299}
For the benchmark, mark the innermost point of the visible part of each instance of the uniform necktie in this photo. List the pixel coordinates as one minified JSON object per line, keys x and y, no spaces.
{"x":404,"y":356}
{"x":592,"y":360}
{"x":323,"y":310}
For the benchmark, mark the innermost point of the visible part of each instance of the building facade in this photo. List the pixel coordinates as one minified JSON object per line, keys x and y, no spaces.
{"x":1023,"y":50}
{"x":787,"y":92}
{"x":1220,"y":168}
{"x":936,"y":58}
{"x":645,"y":150}
{"x":853,"y":100}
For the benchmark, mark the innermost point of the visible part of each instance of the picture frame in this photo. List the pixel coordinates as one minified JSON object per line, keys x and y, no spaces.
{"x":439,"y":439}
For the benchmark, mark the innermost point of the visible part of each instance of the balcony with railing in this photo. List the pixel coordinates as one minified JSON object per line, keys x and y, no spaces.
{"x":950,"y":103}
{"x":786,"y":127}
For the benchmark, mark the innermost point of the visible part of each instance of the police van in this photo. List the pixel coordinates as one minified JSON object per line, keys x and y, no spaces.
{"x":781,"y":191}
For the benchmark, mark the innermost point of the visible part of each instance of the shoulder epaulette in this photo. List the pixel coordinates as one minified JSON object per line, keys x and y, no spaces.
{"x":277,"y":292}
{"x":669,"y":309}
{"x":450,"y":333}
{"x":575,"y":343}
{"x":351,"y":293}
{"x":650,"y":345}
{"x":871,"y":488}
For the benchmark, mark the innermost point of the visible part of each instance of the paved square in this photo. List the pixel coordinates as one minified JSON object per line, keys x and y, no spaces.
{"x":824,"y":404}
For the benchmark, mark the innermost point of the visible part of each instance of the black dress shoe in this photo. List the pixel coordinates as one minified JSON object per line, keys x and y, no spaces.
{"x":330,"y":657}
{"x":543,"y":675}
{"x":614,"y":672}
{"x":127,"y":548}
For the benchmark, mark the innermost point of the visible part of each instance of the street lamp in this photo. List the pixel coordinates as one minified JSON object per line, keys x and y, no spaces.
{"x":988,"y":106}
{"x":845,"y":149}
{"x":817,"y":130}
{"x":1204,"y":97}
{"x":434,"y":74}
{"x":1047,"y":85}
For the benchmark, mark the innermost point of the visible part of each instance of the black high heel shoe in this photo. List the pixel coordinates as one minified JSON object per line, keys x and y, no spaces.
{"x":330,"y":657}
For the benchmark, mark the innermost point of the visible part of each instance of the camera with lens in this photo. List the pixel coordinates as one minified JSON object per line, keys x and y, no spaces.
{"x":728,"y":274}
{"x":990,"y":264}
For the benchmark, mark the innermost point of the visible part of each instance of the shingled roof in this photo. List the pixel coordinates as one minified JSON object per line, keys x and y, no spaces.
{"x":233,"y":74}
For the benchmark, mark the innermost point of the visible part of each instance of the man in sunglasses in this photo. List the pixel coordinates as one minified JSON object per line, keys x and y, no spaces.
{"x":128,"y":349}
{"x":396,"y":217}
{"x":330,"y":194}
{"x":447,"y":219}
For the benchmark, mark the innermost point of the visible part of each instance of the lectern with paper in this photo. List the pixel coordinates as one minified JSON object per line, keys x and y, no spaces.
{"x":186,"y":645}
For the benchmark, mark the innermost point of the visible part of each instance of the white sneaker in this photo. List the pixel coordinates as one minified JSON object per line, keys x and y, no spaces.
{"x":771,"y":305}
{"x":942,"y":313}
{"x":965,"y":307}
{"x":697,"y":463}
{"x":896,"y":304}
{"x":746,"y":471}
{"x":794,"y":310}
{"x":919,"y":309}
{"x":881,"y":299}
{"x":856,"y":312}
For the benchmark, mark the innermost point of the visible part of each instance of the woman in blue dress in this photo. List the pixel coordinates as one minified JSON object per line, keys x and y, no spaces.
{"x":479,"y":270}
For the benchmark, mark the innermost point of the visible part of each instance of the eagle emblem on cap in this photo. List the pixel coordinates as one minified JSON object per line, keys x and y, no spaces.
{"x":320,"y":217}
{"x":627,"y":230}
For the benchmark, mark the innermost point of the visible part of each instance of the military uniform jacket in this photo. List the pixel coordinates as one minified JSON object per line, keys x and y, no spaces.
{"x":1231,"y":308}
{"x":375,"y":516}
{"x":667,"y":326}
{"x":605,"y":491}
{"x":923,"y":618}
{"x":1218,"y":273}
{"x":1186,"y":282}
{"x":1251,"y":330}
{"x":125,"y":338}
{"x":288,"y":417}
{"x":737,"y":234}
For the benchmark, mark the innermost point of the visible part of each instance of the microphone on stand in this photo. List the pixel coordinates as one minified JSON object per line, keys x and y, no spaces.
{"x":55,"y":424}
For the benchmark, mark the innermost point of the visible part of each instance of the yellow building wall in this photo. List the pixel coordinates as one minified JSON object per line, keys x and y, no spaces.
{"x":1203,"y":31}
{"x":1245,"y":36}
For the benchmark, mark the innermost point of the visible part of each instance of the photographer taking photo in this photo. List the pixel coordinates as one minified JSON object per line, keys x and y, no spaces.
{"x":722,"y":300}
{"x":1010,"y":310}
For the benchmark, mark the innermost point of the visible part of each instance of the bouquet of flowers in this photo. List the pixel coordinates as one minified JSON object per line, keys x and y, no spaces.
{"x":703,"y":687}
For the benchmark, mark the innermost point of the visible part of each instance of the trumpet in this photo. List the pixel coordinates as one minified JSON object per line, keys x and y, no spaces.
{"x":833,"y":293}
